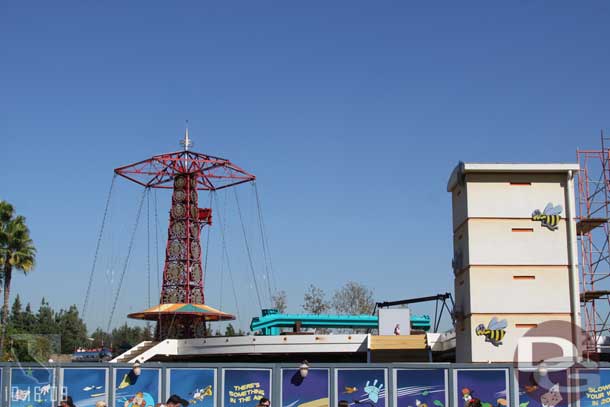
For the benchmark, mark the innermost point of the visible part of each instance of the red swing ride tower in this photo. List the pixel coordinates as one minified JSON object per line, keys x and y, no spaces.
{"x":182,"y":312}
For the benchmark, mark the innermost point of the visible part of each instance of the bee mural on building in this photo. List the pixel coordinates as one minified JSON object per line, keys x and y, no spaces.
{"x":550,"y":217}
{"x":494,"y":333}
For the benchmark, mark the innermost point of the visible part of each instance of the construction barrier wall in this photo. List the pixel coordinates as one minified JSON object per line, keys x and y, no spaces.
{"x":242,"y":385}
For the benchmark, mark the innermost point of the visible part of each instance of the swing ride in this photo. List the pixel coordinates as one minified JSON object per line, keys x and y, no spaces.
{"x":182,"y":312}
{"x":182,"y":315}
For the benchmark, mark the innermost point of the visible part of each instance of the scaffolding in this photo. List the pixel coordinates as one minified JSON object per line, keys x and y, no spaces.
{"x":593,"y":232}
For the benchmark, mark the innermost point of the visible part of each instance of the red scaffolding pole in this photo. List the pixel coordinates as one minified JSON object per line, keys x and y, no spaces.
{"x":593,"y":233}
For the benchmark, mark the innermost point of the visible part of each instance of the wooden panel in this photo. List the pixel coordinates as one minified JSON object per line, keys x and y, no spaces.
{"x":397,"y":342}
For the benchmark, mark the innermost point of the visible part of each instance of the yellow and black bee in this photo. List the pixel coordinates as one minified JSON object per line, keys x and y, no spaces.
{"x":550,"y":217}
{"x":494,"y":333}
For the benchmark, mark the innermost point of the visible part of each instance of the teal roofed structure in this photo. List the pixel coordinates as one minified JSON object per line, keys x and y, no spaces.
{"x":271,"y":321}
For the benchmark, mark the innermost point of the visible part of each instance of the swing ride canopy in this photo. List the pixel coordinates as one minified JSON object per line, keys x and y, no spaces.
{"x":200,"y":310}
{"x":159,"y":171}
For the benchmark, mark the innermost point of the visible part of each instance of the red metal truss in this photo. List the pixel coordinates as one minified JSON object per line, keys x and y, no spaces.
{"x":183,"y":271}
{"x":593,"y":232}
{"x":212,"y":173}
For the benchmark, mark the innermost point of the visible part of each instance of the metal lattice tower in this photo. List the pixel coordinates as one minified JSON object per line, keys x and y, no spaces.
{"x":593,"y":232}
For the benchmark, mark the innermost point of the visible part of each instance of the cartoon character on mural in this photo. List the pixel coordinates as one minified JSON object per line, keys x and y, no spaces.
{"x":495,"y":331}
{"x":200,"y":394}
{"x":373,"y":390}
{"x":543,"y":390}
{"x":137,"y":387}
{"x":550,"y":217}
{"x":140,"y":399}
{"x":471,"y":401}
{"x":365,"y":387}
{"x":552,"y":397}
{"x":130,"y":378}
{"x":196,"y":386}
{"x":418,"y":403}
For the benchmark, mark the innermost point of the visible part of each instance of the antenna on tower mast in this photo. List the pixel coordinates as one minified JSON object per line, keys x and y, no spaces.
{"x":186,"y":142}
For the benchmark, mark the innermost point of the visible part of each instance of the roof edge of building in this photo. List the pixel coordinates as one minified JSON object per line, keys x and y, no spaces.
{"x":463,"y":168}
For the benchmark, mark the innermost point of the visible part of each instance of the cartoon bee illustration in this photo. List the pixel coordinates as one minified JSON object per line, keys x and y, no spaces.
{"x":550,"y":217}
{"x":494,"y":333}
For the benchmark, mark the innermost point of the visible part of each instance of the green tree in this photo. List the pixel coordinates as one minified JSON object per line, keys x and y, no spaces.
{"x":26,"y":339}
{"x":28,"y":320}
{"x":230,"y":330}
{"x":17,"y":252}
{"x":26,"y":347}
{"x":126,"y":337}
{"x":46,"y":322}
{"x":15,"y":319}
{"x":101,"y":339}
{"x":147,"y":333}
{"x":314,"y":301}
{"x":72,"y":329}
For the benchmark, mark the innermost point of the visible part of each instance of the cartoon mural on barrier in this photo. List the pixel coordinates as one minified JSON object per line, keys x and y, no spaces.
{"x":309,"y":391}
{"x":421,"y":388}
{"x":482,"y":388}
{"x":245,"y":387}
{"x":595,"y":391}
{"x":136,"y":387}
{"x":85,"y":386}
{"x":32,"y":387}
{"x":542,"y":391}
{"x":195,"y":385}
{"x":362,"y":386}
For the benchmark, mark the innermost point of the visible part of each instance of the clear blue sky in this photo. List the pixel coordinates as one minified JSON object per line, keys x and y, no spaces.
{"x":352,"y":114}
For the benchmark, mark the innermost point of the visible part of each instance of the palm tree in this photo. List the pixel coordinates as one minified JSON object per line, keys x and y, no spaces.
{"x":17,"y":252}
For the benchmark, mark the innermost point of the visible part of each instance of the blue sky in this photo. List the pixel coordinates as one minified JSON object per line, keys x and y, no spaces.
{"x":352,"y":114}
